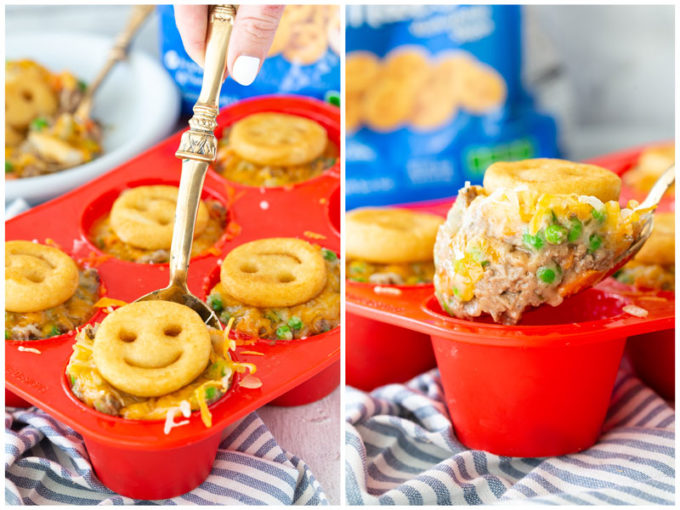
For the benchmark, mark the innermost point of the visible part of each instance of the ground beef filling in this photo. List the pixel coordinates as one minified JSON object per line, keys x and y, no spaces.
{"x":59,"y":319}
{"x":236,"y":169}
{"x":411,"y":273}
{"x":318,"y":315}
{"x":492,"y":259}
{"x":105,"y":238}
{"x":89,"y":386}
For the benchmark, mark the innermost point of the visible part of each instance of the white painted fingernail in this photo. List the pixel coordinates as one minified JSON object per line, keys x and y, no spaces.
{"x":245,"y":69}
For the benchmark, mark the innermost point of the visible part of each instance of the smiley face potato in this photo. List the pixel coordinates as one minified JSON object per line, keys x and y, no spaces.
{"x":46,"y":293}
{"x":149,"y":350}
{"x":279,"y":288}
{"x":149,"y":358}
{"x":139,"y":227}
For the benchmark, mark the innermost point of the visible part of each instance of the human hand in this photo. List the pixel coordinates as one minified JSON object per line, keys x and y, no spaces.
{"x":253,"y":33}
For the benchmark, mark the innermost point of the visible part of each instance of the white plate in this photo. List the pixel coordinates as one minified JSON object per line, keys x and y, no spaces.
{"x":138,"y":105}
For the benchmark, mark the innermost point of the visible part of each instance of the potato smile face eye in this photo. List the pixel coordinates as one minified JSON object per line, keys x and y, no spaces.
{"x":274,"y":272}
{"x":151,"y":348}
{"x":37,"y":277}
{"x":145,"y":216}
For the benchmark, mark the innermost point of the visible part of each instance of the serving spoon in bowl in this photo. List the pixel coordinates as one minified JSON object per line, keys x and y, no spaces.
{"x":53,"y":147}
{"x":197,"y":148}
{"x":646,"y":210}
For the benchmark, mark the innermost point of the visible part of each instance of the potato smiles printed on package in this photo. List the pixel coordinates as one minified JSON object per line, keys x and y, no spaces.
{"x":305,"y":32}
{"x":409,"y":88}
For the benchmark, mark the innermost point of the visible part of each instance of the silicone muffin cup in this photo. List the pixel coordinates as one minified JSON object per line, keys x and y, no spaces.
{"x":377,"y":353}
{"x":653,"y":358}
{"x":539,"y":388}
{"x":132,"y":457}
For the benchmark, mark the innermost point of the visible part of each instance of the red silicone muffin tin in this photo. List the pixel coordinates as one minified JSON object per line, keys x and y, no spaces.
{"x":540,"y":388}
{"x":136,"y":458}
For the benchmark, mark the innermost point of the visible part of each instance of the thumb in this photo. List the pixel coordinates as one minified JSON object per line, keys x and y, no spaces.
{"x":253,"y":33}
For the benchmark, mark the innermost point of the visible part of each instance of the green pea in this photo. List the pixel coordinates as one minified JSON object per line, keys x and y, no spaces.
{"x":295,"y":323}
{"x":284,"y":333}
{"x":9,"y":167}
{"x":594,"y":242}
{"x":533,"y":242}
{"x":598,"y":215}
{"x":210,"y":392}
{"x":556,"y":234}
{"x":38,"y":124}
{"x":215,"y":302}
{"x":575,"y":231}
{"x":329,"y":255}
{"x":546,"y":274}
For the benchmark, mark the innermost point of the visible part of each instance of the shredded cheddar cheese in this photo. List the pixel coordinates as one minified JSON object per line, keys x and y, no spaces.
{"x":106,"y":302}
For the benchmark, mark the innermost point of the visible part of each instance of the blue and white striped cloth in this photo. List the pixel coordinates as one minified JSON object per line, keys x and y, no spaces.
{"x":46,"y":463}
{"x":401,"y":449}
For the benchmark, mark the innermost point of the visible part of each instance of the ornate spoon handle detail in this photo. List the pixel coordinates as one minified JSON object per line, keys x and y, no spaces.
{"x":199,"y":143}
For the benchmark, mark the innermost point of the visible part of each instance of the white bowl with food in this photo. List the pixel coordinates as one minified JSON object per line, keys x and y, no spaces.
{"x":137,"y":105}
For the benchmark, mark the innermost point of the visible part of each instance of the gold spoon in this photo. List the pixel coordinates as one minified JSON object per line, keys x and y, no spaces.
{"x":117,"y":53}
{"x":646,"y":210}
{"x":197,"y":148}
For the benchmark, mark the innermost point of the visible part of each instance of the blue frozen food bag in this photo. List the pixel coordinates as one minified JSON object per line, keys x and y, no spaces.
{"x":433,"y":96}
{"x":304,"y":58}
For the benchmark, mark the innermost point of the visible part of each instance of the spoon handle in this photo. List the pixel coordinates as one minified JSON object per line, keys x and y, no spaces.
{"x":658,"y":190}
{"x":116,"y":54}
{"x":198,"y":146}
